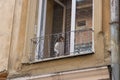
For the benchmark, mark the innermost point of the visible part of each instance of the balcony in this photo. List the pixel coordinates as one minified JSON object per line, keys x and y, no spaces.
{"x":43,"y":48}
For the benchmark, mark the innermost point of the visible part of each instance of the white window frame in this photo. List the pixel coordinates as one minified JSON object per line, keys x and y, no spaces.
{"x":73,"y":18}
{"x":41,"y":27}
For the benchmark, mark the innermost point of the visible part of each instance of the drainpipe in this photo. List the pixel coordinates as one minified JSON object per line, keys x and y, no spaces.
{"x":115,"y":40}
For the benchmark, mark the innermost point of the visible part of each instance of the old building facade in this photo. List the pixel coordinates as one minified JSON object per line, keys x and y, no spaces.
{"x":29,"y":30}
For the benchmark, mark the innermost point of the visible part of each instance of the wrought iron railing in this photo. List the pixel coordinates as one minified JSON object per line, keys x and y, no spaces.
{"x":44,"y":47}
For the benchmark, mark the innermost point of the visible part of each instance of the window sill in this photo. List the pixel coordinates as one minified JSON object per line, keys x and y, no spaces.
{"x":57,"y":58}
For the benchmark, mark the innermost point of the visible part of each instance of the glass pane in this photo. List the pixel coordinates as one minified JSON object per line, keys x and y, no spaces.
{"x":83,"y":27}
{"x":84,"y":13}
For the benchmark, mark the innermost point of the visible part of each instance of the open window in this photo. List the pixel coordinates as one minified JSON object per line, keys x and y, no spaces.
{"x":63,"y":28}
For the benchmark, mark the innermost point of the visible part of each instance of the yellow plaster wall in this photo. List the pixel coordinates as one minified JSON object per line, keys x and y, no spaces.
{"x":6,"y":20}
{"x":18,"y":36}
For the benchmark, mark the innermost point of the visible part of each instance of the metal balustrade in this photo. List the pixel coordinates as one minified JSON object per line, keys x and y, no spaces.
{"x":44,"y":47}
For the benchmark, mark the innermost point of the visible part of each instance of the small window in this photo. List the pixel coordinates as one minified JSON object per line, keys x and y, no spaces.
{"x":81,"y":23}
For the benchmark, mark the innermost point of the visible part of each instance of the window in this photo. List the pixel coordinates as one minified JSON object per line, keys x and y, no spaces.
{"x":63,"y":28}
{"x":81,"y":23}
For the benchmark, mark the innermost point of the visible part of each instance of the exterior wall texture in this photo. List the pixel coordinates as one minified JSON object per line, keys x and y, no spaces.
{"x":16,"y":31}
{"x":6,"y":20}
{"x":6,"y":23}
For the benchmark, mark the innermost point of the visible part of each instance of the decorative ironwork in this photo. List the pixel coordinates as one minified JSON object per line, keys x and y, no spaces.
{"x":82,"y":44}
